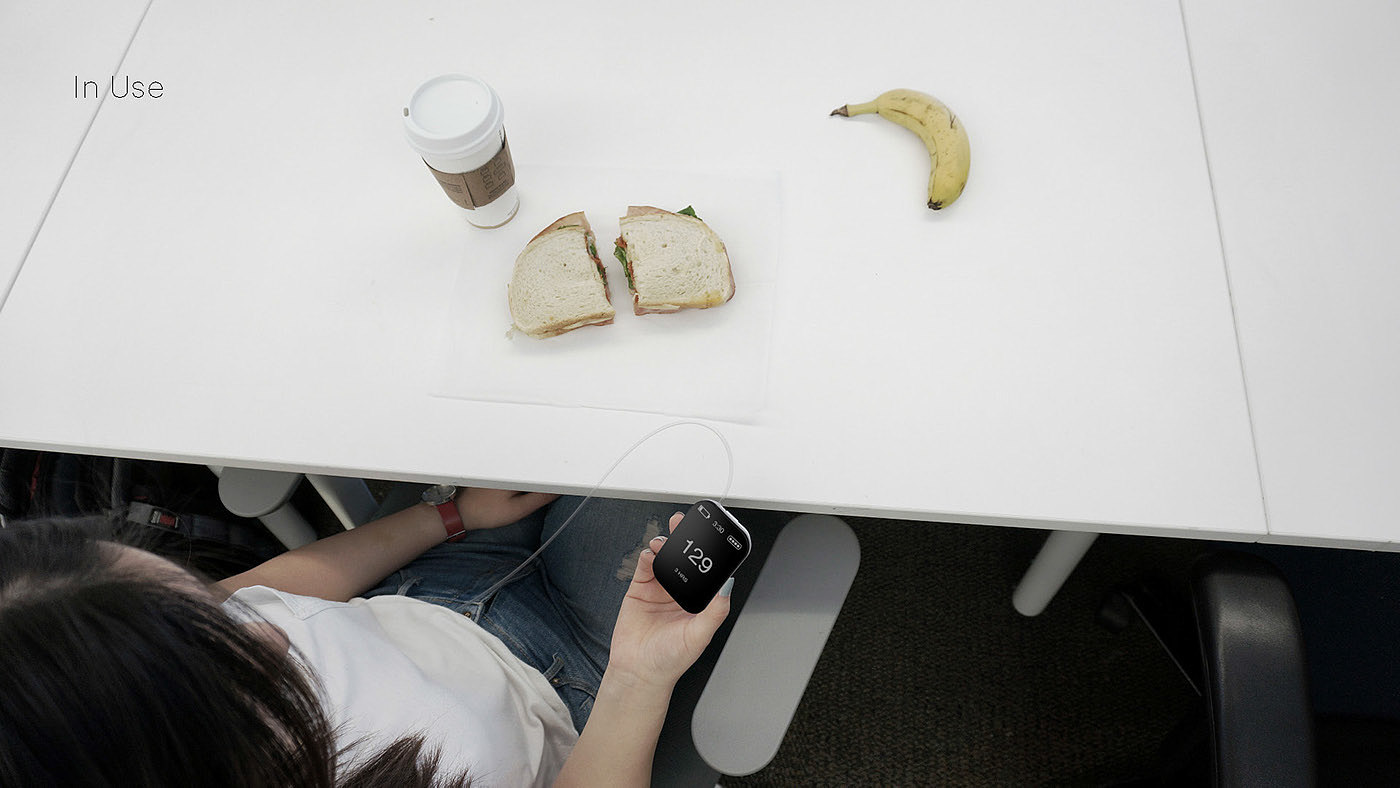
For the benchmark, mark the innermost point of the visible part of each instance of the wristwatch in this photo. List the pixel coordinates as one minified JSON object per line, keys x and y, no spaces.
{"x":440,"y":497}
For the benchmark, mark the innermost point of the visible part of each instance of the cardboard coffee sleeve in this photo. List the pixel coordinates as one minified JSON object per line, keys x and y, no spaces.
{"x":482,"y":185}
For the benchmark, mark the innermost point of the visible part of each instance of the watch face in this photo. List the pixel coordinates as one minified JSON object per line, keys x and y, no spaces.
{"x":702,"y":553}
{"x":439,"y":494}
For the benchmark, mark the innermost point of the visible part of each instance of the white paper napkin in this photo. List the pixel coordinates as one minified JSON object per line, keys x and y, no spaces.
{"x":710,"y":363}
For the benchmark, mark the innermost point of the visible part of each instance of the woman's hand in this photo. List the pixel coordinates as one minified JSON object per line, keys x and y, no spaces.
{"x":653,"y":643}
{"x":482,"y":508}
{"x":654,"y":640}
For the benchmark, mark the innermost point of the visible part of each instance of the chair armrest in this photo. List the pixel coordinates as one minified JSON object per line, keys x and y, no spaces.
{"x":761,"y":674}
{"x":253,"y":493}
{"x":265,"y":495}
{"x":1255,"y":673}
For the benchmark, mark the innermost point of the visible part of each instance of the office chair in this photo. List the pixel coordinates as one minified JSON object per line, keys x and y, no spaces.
{"x":1239,"y":644}
{"x":266,"y":495}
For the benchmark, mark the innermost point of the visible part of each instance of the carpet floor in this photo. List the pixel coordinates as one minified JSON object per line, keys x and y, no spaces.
{"x":931,"y":678}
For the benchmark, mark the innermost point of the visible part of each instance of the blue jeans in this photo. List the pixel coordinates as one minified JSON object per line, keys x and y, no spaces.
{"x":558,"y":613}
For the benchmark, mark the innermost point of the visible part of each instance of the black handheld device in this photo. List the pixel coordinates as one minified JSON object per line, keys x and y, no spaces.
{"x":702,"y":553}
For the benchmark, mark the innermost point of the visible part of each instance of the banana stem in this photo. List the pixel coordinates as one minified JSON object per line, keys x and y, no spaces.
{"x":868,"y":108}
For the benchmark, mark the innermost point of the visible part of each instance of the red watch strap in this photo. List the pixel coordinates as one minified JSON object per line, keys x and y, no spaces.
{"x":452,"y":521}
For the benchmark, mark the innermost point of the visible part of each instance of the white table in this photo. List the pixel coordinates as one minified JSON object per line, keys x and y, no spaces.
{"x":44,"y":46}
{"x":1298,"y":108}
{"x":250,"y":271}
{"x":1300,"y":104}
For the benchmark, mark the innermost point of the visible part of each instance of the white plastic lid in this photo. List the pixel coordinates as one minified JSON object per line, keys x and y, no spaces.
{"x":452,"y":115}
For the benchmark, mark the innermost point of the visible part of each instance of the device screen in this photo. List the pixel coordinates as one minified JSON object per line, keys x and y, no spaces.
{"x":702,"y":553}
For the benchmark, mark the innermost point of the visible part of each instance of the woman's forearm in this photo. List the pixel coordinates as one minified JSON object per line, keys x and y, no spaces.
{"x":619,"y":741}
{"x":345,"y":565}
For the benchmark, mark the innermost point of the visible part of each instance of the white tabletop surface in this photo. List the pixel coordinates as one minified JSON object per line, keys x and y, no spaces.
{"x":44,"y":45}
{"x":1300,"y":103}
{"x":254,"y":269}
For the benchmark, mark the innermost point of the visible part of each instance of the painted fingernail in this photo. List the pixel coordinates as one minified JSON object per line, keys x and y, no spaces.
{"x":660,"y":539}
{"x":728,"y":586}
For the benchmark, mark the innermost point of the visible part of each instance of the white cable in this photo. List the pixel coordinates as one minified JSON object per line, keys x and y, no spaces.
{"x":729,"y":479}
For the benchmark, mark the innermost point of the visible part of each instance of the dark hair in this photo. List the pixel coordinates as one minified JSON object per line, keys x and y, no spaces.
{"x":109,"y":677}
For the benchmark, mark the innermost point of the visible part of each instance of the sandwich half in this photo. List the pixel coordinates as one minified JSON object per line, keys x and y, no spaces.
{"x":559,"y":283}
{"x":673,"y":261}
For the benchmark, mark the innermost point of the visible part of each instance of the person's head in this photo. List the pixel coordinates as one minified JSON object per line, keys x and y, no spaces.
{"x":120,"y":668}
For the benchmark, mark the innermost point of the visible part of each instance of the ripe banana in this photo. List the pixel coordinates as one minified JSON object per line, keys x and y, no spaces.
{"x":943,"y":134}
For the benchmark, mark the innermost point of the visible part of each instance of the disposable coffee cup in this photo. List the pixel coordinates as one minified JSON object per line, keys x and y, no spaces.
{"x":457,"y":125}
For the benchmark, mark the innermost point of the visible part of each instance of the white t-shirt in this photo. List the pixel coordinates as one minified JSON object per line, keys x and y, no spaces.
{"x":392,"y":666}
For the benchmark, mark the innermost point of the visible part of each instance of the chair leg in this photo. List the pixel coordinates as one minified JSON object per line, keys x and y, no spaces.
{"x":1051,"y":567}
{"x":348,"y":498}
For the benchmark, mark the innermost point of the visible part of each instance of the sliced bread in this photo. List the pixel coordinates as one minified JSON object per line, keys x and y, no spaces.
{"x":673,"y":261}
{"x":559,"y":283}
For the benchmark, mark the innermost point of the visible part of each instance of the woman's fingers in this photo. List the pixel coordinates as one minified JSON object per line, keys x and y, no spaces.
{"x":714,"y":613}
{"x":644,"y":573}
